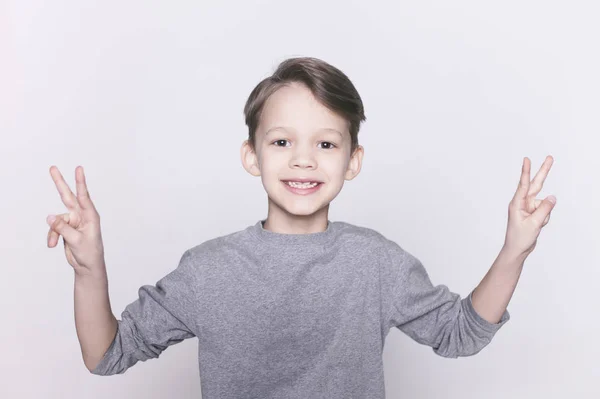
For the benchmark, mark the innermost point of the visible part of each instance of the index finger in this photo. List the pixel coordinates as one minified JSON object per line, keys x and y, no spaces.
{"x":540,"y":176}
{"x":67,"y":196}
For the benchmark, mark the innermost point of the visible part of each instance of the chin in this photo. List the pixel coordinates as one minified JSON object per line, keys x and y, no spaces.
{"x":298,"y":211}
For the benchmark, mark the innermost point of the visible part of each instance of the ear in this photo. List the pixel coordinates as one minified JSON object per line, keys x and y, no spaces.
{"x":355,"y":163}
{"x":249,"y":159}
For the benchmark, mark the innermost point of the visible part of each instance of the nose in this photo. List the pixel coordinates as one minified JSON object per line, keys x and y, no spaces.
{"x":302,"y":157}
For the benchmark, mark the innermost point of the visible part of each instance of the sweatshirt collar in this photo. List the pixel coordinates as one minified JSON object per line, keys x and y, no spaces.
{"x":320,"y":237}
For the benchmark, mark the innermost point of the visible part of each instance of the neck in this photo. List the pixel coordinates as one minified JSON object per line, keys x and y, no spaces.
{"x":281,"y":221}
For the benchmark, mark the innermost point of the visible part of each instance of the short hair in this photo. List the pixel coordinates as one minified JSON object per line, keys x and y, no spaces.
{"x":330,"y":86}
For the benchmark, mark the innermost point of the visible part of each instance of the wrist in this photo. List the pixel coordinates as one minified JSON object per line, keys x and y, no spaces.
{"x":513,"y":255}
{"x":91,"y":279}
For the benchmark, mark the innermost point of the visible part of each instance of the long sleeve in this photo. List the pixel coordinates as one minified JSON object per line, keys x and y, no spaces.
{"x":433,"y":315}
{"x":154,"y":321}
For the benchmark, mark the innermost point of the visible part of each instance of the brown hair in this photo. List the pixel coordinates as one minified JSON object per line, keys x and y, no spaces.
{"x":330,"y":86}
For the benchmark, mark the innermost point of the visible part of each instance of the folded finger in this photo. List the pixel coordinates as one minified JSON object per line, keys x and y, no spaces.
{"x":53,"y":236}
{"x":546,"y":220}
{"x":62,"y":227}
{"x":544,"y":210}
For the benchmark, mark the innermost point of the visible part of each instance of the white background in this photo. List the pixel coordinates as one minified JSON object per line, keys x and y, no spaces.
{"x":148,"y":97}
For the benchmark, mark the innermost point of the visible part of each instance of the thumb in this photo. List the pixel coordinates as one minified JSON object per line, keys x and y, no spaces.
{"x":60,"y":225}
{"x":542,"y":212}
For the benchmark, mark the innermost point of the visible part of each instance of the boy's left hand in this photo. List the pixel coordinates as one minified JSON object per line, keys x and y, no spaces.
{"x":526,"y":214}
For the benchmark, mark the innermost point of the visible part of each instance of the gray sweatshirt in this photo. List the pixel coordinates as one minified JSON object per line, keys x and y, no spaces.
{"x":295,"y":315}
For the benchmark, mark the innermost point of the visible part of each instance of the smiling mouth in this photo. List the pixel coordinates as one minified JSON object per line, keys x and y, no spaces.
{"x":292,"y":183}
{"x":302,"y":189}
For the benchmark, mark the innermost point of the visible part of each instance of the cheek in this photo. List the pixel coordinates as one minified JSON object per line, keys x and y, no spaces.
{"x":270,"y":168}
{"x":270,"y":172}
{"x":334,"y":167}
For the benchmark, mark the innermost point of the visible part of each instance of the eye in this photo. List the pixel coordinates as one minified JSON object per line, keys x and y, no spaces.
{"x":329,"y":145}
{"x":278,"y":141}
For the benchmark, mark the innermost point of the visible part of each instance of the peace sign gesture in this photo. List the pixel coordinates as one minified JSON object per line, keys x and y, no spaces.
{"x":80,"y":227}
{"x":526,"y":214}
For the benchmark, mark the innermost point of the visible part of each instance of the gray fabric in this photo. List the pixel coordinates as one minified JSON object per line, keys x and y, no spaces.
{"x":295,"y":315}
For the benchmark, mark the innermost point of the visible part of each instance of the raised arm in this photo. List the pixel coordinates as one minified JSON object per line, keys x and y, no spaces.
{"x":80,"y":228}
{"x":526,"y":218}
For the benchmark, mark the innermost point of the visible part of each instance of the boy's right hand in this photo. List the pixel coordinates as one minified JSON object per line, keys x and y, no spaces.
{"x":80,"y":227}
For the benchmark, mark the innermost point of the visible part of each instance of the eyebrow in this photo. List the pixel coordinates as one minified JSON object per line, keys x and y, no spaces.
{"x":328,"y":129}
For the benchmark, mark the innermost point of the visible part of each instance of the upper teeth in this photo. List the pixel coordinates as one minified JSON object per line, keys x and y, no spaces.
{"x":301,"y":185}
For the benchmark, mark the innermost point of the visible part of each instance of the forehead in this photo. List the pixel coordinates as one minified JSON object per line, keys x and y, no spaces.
{"x":295,"y":105}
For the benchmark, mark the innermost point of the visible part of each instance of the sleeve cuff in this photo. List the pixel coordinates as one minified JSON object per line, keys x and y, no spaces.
{"x":102,"y":367}
{"x":480,"y":321}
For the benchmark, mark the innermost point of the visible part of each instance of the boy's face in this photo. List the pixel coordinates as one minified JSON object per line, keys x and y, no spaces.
{"x":298,"y":138}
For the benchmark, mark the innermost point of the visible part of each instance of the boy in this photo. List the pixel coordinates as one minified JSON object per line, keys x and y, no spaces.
{"x":295,"y":306}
